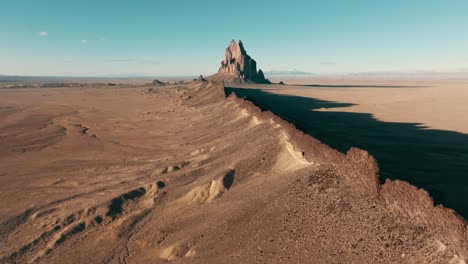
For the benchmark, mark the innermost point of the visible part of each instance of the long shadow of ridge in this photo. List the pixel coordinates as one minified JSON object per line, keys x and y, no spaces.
{"x":435,"y":160}
{"x":359,"y":86}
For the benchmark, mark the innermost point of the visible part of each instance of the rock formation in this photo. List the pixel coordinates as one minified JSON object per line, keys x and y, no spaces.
{"x":237,"y":66}
{"x":159,"y":83}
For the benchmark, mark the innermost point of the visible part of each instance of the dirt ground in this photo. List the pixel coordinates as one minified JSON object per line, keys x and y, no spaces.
{"x":181,"y":174}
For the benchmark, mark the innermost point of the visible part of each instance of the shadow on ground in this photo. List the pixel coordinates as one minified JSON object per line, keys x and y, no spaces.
{"x":359,"y":86}
{"x":435,"y":160}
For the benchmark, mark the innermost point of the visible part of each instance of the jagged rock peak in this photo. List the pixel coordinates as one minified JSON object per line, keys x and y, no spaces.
{"x":239,"y":65}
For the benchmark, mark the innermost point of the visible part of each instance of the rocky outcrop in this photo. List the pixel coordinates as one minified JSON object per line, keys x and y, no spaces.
{"x":238,"y":66}
{"x":158,"y":83}
{"x":260,"y":78}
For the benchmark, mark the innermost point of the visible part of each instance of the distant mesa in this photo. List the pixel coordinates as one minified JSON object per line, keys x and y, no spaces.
{"x":238,"y":67}
{"x":158,"y":83}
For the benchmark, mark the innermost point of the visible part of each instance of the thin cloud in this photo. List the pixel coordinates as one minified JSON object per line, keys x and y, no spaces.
{"x":153,"y":62}
{"x":84,"y":41}
{"x":43,"y":34}
{"x":148,"y":62}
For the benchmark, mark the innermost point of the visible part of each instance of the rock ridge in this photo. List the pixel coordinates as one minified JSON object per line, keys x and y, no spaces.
{"x":360,"y":171}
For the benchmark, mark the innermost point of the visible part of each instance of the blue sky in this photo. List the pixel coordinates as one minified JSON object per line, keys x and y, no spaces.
{"x":185,"y":37}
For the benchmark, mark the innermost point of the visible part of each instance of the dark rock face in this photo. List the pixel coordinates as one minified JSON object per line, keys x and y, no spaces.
{"x":260,"y":78}
{"x":239,"y":66}
{"x":200,"y":78}
{"x":159,"y":83}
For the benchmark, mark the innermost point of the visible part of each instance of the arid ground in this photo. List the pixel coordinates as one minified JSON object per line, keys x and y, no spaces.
{"x":416,"y":129}
{"x":435,"y":103}
{"x":182,"y":174}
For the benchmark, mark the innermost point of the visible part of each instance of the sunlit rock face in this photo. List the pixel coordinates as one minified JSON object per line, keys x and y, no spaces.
{"x":239,"y":66}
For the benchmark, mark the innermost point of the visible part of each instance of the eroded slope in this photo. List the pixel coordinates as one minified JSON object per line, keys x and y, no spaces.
{"x":183,"y":174}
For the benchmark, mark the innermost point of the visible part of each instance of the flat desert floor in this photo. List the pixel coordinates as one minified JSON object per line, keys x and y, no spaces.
{"x":183,"y":174}
{"x":437,"y":104}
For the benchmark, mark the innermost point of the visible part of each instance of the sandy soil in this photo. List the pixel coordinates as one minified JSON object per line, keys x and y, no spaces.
{"x":439,"y":104}
{"x":182,"y":174}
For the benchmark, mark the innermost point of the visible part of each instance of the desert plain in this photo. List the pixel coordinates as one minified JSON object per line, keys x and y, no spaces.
{"x":437,"y":103}
{"x":232,"y":168}
{"x":183,"y":174}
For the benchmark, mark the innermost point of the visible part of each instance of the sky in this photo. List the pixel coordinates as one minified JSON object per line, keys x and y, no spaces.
{"x":186,"y":37}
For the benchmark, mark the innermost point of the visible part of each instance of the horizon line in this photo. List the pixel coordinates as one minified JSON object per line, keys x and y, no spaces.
{"x":303,"y":74}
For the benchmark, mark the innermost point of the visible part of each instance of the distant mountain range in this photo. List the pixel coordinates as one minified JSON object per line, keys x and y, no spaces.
{"x":462,"y":74}
{"x":287,"y":72}
{"x":413,"y":74}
